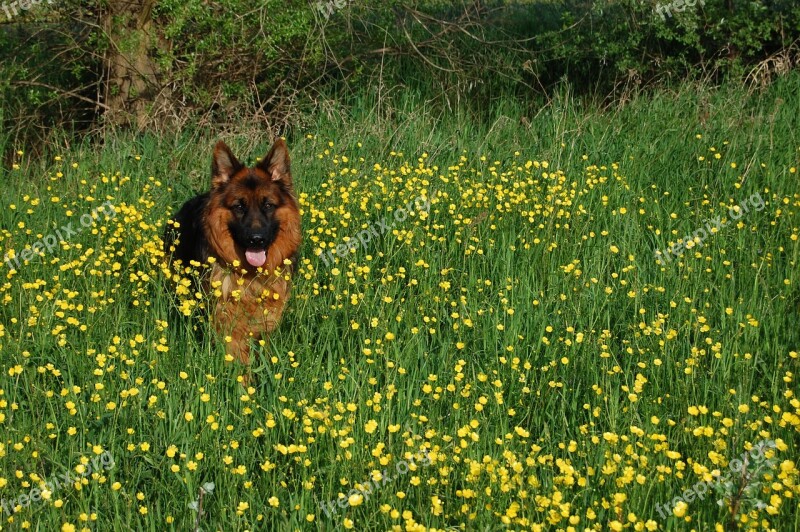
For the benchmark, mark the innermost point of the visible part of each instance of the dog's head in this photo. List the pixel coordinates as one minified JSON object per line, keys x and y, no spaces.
{"x":253,"y":216}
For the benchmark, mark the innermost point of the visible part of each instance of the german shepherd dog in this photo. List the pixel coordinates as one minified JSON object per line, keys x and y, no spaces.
{"x":248,"y":228}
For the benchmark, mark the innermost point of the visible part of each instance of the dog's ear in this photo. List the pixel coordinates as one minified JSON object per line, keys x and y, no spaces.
{"x":276,"y":163}
{"x":223,"y":165}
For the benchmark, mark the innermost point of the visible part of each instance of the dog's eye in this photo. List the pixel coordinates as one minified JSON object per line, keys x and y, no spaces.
{"x":238,"y":208}
{"x":268,"y":206}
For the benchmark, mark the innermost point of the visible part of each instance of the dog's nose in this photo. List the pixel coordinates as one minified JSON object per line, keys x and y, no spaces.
{"x":257,"y":241}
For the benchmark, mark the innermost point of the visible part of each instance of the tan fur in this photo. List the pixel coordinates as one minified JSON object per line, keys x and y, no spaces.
{"x":247,"y":307}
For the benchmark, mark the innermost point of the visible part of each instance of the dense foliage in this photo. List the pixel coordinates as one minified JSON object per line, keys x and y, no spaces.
{"x":171,"y":63}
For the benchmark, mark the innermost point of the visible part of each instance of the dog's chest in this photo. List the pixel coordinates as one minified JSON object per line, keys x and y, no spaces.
{"x":253,"y":289}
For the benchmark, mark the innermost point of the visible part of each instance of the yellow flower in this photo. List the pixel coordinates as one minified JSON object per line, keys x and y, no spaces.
{"x":680,"y":509}
{"x":436,"y":505}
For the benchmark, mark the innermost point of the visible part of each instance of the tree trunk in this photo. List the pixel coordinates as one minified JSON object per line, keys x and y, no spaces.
{"x":131,"y":83}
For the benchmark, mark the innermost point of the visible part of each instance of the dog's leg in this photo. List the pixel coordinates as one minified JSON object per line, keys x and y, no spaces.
{"x":239,"y":349}
{"x":234,"y":325}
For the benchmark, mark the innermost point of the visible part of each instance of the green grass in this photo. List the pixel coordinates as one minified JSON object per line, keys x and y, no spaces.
{"x":536,"y":350}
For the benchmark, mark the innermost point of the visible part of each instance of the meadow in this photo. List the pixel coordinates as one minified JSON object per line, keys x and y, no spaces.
{"x":510,"y":353}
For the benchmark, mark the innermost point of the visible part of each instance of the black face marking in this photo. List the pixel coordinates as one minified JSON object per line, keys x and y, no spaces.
{"x":253,"y":225}
{"x":251,"y":182}
{"x":254,"y":232}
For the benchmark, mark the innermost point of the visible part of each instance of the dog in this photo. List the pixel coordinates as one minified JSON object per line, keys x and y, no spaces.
{"x":247,"y":230}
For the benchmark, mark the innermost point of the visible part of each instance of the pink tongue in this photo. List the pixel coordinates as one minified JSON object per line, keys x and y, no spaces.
{"x":256,"y":257}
